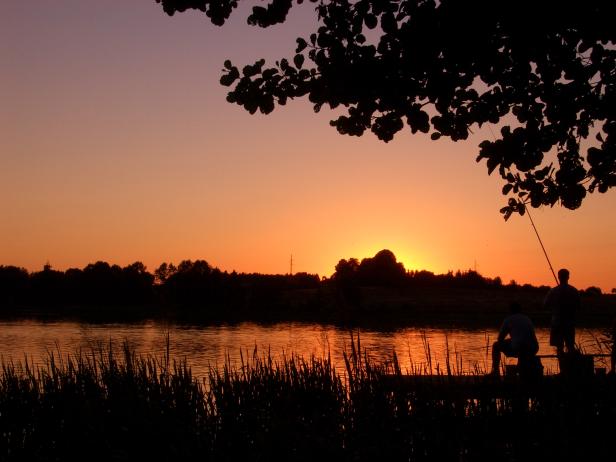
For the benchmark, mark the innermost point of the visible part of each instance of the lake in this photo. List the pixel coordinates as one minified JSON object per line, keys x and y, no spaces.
{"x":206,"y":346}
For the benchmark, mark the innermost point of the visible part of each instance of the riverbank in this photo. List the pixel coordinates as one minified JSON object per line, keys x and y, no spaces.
{"x":363,"y":307}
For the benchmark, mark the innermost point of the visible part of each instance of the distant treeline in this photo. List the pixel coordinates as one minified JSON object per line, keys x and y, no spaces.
{"x":197,"y":284}
{"x":191,"y":283}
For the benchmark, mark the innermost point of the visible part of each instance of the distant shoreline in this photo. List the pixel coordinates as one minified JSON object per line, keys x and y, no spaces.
{"x":374,"y":292}
{"x":387,"y":308}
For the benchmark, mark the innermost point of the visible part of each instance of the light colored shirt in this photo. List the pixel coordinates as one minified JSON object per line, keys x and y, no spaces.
{"x":521,"y":330}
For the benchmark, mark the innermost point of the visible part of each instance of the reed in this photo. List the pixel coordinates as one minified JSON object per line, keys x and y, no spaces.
{"x":116,"y":405}
{"x":101,"y":406}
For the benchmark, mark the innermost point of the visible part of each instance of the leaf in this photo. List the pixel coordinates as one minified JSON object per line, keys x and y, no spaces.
{"x":301,"y":45}
{"x":298,"y":60}
{"x":388,"y":23}
{"x":266,"y":105}
{"x":485,"y":144}
{"x":492,"y":164}
{"x":269,"y":73}
{"x":228,"y":79}
{"x":370,"y":21}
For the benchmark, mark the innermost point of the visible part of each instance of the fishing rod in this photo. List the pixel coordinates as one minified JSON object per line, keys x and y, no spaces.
{"x":534,"y":227}
{"x":540,"y":241}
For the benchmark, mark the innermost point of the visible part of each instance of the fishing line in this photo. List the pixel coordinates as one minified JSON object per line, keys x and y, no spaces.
{"x":540,"y":242}
{"x":534,"y":227}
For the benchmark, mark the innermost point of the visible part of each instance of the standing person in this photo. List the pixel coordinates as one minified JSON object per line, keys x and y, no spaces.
{"x":563,"y":301}
{"x":516,"y":338}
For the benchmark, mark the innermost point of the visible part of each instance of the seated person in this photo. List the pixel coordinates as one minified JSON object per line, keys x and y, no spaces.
{"x":516,"y":338}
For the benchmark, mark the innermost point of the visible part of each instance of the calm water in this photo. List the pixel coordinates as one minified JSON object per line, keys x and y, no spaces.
{"x":210,"y":345}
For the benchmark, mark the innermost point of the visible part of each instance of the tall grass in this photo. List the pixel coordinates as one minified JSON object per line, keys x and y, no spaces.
{"x":101,"y":406}
{"x":116,"y":405}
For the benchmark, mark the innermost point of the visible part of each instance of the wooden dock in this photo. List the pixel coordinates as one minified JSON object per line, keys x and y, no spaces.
{"x":487,"y":386}
{"x":579,"y":372}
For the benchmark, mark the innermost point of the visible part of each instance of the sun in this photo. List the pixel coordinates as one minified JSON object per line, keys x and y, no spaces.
{"x":410,"y":263}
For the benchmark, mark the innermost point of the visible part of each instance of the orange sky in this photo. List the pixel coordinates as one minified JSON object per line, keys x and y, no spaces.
{"x":116,"y":144}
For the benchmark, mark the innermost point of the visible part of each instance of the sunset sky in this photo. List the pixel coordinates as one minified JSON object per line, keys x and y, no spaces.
{"x":117,"y":144}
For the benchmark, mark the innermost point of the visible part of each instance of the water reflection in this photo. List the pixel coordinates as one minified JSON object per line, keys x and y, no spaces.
{"x":205,"y":346}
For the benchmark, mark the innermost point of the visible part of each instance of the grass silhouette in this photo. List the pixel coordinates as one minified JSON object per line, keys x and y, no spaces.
{"x":116,"y":405}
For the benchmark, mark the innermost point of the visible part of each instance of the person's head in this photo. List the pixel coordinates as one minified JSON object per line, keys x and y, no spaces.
{"x":563,"y":276}
{"x":515,"y":307}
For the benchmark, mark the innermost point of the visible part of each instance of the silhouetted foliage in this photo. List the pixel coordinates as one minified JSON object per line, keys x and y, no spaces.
{"x":14,"y":283}
{"x":592,"y":291}
{"x":346,"y":271}
{"x":163,"y":272}
{"x":136,"y":283}
{"x":381,"y":270}
{"x":98,"y":284}
{"x":126,"y":407}
{"x":545,"y":71}
{"x":47,"y":286}
{"x":190,"y":283}
{"x":385,"y":271}
{"x":460,"y":279}
{"x":367,"y":290}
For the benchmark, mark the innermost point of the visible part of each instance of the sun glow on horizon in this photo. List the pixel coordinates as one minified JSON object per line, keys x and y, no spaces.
{"x":122,"y":147}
